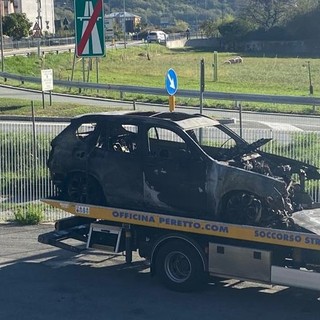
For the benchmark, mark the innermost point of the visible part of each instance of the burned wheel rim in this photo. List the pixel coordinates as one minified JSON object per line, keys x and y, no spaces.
{"x":242,"y":207}
{"x":77,"y":189}
{"x":177,"y":267}
{"x":84,"y":189}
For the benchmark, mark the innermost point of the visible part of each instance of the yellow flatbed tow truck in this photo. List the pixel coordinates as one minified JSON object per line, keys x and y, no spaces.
{"x":184,"y":251}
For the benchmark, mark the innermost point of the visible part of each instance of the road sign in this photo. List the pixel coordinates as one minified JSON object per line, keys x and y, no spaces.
{"x":171,"y":82}
{"x":65,"y":22}
{"x":36,"y":27}
{"x":109,"y":27}
{"x":46,"y":80}
{"x":89,"y":21}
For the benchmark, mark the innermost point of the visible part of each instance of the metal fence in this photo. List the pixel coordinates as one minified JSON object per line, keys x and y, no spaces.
{"x":25,"y":146}
{"x":24,"y":177}
{"x":9,"y":44}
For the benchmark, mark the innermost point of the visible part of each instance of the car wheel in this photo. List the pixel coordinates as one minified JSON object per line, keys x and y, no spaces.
{"x":179,"y":266}
{"x":242,"y":208}
{"x":84,"y":189}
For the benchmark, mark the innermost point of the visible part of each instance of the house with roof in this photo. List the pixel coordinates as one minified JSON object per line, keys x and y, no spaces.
{"x":131,"y":20}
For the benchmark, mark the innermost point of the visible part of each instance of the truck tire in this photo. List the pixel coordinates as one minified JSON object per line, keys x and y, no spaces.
{"x":179,"y":266}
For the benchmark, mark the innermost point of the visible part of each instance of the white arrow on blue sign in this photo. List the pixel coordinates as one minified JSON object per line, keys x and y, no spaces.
{"x":171,"y":82}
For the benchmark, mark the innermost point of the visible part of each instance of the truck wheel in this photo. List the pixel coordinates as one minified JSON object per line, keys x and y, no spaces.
{"x":179,"y":266}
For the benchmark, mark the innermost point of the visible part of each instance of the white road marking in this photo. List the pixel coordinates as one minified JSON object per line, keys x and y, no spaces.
{"x":281,"y":126}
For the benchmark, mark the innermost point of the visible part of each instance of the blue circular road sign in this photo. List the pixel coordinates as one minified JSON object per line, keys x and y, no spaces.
{"x":171,"y":82}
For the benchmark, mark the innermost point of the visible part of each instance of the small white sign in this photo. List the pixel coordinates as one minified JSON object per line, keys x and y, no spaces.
{"x":108,"y":22}
{"x":47,"y":80}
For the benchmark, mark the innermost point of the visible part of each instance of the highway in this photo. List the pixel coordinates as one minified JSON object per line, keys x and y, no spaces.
{"x":255,"y":120}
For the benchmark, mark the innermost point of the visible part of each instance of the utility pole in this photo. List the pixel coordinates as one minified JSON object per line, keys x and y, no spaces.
{"x":124,"y":24}
{"x":1,"y":33}
{"x":39,"y":20}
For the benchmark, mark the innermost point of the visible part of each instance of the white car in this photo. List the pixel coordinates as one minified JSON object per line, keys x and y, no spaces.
{"x":157,"y":36}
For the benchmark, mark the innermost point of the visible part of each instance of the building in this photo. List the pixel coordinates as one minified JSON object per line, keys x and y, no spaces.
{"x":132,"y":20}
{"x":39,"y":12}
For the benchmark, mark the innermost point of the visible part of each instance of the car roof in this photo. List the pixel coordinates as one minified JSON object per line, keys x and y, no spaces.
{"x":184,"y":120}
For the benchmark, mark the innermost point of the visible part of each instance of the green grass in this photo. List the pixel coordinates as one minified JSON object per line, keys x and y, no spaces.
{"x":261,"y":75}
{"x":58,"y":109}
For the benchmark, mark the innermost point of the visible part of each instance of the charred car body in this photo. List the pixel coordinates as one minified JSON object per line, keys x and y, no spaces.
{"x":179,"y":164}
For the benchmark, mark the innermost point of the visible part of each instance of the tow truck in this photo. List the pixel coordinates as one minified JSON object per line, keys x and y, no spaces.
{"x":184,"y":252}
{"x":189,"y":195}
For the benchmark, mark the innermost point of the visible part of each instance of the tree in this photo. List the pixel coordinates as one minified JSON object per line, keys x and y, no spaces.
{"x":211,"y":28}
{"x":267,"y":14}
{"x":16,"y":25}
{"x":233,"y":30}
{"x":305,"y":25}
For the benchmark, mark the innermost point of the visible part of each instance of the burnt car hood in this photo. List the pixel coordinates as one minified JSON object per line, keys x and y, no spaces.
{"x":312,"y":172}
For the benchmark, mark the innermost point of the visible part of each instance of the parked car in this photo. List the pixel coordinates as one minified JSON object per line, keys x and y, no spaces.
{"x":177,"y":163}
{"x":140,"y":35}
{"x":157,"y":36}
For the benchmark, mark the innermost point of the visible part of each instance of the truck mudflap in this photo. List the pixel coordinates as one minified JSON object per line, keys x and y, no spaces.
{"x":308,"y":220}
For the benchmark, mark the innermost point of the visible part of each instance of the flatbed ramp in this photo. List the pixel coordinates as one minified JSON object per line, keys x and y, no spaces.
{"x":305,"y":240}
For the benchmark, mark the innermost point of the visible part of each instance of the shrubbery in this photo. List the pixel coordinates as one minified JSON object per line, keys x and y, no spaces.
{"x":29,"y":214}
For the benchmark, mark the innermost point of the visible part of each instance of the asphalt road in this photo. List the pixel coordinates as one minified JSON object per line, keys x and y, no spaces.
{"x":43,"y":282}
{"x":283,"y":122}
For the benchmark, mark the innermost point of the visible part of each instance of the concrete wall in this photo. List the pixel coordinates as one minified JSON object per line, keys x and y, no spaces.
{"x":281,"y":47}
{"x":274,"y":47}
{"x":195,"y":43}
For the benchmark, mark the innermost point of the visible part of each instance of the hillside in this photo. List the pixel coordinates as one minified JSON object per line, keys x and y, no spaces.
{"x":193,"y":12}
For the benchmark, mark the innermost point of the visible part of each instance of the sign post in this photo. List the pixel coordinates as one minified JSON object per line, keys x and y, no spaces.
{"x":46,"y":83}
{"x":89,"y":26}
{"x":171,"y":81}
{"x":109,"y":28}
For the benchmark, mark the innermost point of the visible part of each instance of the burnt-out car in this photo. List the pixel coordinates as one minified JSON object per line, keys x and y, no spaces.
{"x":176,"y":163}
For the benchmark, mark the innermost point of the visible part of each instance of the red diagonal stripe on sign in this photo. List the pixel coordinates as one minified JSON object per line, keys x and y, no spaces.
{"x":85,"y":37}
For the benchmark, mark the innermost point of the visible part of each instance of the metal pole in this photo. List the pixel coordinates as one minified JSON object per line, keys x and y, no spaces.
{"x":50,"y":98}
{"x":97,"y":69}
{"x":310,"y":79}
{"x":34,"y":137}
{"x":215,"y":63}
{"x":83,"y":71}
{"x":201,"y":94}
{"x":1,"y":35}
{"x":43,"y":99}
{"x":239,"y":107}
{"x":40,"y":25}
{"x":310,"y":83}
{"x":124,"y":24}
{"x":202,"y":84}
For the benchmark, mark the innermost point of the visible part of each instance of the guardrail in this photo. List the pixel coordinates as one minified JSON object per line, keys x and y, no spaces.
{"x":294,"y":100}
{"x":34,"y":42}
